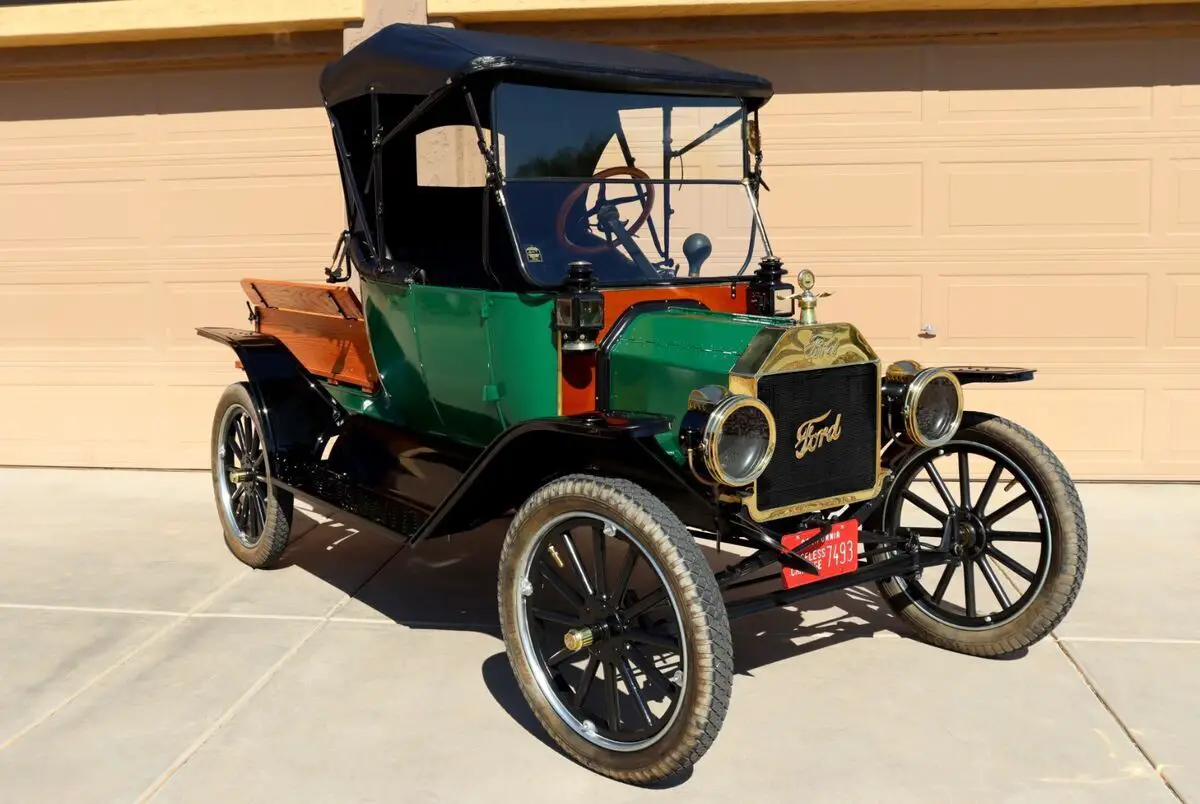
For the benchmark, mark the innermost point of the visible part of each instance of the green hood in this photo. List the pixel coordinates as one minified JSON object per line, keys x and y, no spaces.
{"x":662,"y":356}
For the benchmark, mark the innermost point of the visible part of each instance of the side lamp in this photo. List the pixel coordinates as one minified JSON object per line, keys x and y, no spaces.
{"x":579,"y":309}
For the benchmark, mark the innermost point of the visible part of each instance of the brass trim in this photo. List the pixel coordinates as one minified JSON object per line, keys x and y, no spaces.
{"x":803,"y":346}
{"x":912,"y":395}
{"x":578,"y":638}
{"x":903,"y":370}
{"x":710,"y":442}
{"x":806,"y":347}
{"x":758,"y":350}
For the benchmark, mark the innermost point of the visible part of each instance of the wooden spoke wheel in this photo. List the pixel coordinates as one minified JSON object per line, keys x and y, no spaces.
{"x":615,"y":628}
{"x":1001,"y":505}
{"x":255,"y":516}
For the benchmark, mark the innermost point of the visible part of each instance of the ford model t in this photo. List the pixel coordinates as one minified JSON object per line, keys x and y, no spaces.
{"x":597,"y":339}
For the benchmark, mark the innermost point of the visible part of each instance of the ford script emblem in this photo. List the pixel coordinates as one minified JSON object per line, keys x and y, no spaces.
{"x":813,"y":434}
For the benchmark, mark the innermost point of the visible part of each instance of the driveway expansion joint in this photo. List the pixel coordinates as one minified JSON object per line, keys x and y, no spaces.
{"x":244,"y":699}
{"x":1128,"y":732}
{"x":178,"y":620}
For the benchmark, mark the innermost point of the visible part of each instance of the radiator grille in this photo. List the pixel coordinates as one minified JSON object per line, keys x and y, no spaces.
{"x":834,"y":466}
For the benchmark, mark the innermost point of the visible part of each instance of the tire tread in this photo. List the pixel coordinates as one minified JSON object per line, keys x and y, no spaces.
{"x":701,"y":603}
{"x":1062,"y":587}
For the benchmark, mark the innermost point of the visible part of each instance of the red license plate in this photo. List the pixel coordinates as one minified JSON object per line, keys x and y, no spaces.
{"x":835,"y":554}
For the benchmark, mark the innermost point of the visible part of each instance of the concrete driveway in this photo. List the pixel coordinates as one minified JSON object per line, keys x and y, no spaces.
{"x":139,"y":660}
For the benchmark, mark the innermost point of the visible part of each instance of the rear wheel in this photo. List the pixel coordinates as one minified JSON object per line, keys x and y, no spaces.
{"x":255,"y":516}
{"x":615,"y":628}
{"x":1000,"y":501}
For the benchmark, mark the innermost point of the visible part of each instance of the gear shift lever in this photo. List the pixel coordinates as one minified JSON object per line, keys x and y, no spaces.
{"x":697,"y":248}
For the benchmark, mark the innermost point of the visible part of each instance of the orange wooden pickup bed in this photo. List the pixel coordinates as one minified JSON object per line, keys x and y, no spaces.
{"x":322,"y":325}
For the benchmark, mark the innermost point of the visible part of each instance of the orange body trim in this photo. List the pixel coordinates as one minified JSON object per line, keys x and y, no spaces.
{"x":578,"y":378}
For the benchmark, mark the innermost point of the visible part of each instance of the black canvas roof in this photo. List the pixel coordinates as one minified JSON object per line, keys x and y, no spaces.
{"x":418,"y":59}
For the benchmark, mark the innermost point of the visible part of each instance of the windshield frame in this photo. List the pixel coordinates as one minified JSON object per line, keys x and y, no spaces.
{"x":750,"y":180}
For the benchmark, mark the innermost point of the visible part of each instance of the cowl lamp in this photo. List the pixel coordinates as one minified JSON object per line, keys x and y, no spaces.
{"x":579,"y":309}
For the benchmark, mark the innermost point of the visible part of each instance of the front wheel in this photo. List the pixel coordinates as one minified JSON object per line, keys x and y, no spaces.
{"x":1000,"y":502}
{"x":615,"y":628}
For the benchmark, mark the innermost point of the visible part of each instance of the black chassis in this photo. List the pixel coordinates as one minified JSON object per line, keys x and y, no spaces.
{"x":362,"y":467}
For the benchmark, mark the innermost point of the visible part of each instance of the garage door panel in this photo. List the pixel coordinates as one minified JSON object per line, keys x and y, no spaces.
{"x":235,"y":210}
{"x":1182,"y":324}
{"x":40,"y":318}
{"x":1037,"y":203}
{"x":1183,"y":197}
{"x":188,"y":417}
{"x":75,"y":425}
{"x":1187,"y":106}
{"x":1030,"y":199}
{"x":1181,"y":436}
{"x":846,"y":199}
{"x":1031,"y":311}
{"x":1043,"y":108}
{"x":94,"y":211}
{"x":133,"y":205}
{"x":40,"y":145}
{"x":1103,"y":433}
{"x":265,"y":134}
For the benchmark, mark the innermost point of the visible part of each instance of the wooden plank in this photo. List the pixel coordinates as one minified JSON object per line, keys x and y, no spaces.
{"x":327,"y":346}
{"x":305,"y":297}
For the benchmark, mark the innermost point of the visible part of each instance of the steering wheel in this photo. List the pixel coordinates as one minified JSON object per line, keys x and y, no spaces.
{"x":646,"y":200}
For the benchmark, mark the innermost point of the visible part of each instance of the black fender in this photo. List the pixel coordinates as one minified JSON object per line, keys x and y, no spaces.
{"x":535,"y":452}
{"x":990,"y":374}
{"x":369,"y":471}
{"x":299,"y":416}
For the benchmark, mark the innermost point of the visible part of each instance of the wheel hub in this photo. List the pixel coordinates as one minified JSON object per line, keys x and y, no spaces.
{"x":606,"y":624}
{"x":970,"y":535}
{"x":578,"y":638}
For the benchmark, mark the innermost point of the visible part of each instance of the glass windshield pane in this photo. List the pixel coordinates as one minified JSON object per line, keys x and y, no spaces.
{"x":647,"y":188}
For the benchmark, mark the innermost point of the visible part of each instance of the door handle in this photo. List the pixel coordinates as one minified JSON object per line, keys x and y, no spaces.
{"x":927,"y":331}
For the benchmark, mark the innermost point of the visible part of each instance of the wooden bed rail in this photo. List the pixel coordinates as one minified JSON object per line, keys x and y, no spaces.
{"x":322,"y":325}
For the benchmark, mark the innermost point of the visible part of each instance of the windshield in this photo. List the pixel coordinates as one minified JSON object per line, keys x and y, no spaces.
{"x":647,"y":188}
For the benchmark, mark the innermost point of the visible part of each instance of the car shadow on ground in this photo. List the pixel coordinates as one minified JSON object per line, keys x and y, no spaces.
{"x":450,"y":584}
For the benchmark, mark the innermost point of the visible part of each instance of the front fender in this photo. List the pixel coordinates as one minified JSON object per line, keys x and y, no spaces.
{"x":990,"y":374}
{"x":531,"y":454}
{"x":299,"y":416}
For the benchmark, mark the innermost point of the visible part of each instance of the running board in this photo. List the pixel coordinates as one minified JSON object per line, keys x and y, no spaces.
{"x":316,"y":483}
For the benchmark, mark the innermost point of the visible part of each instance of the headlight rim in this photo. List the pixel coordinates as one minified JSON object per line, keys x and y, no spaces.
{"x":710,"y":439}
{"x":912,"y":397}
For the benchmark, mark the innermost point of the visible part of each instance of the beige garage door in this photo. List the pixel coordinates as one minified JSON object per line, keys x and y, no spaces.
{"x":1033,"y":203}
{"x":130,"y":206}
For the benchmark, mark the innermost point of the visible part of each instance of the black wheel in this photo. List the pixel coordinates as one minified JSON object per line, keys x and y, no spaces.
{"x":615,"y":628}
{"x":1004,"y":506}
{"x":256,"y":517}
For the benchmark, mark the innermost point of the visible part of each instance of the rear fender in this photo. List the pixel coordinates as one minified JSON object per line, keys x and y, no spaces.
{"x":299,"y":416}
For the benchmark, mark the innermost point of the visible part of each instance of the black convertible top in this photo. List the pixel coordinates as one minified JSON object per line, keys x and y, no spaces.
{"x":419,"y":59}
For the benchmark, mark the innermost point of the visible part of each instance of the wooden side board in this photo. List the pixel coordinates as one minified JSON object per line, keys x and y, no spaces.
{"x":304,"y":297}
{"x":323,"y":327}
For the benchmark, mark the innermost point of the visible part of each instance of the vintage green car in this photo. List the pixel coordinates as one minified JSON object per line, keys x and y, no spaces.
{"x":596,"y":339}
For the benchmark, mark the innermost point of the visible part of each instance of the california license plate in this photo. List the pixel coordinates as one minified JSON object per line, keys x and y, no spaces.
{"x":835,"y":554}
